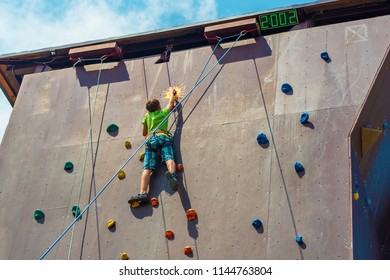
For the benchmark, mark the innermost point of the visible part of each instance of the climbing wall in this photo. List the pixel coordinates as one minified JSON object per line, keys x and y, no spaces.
{"x":369,"y":161}
{"x":229,"y":179}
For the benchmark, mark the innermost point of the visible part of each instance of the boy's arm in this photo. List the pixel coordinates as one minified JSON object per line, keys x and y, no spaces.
{"x":145,"y":130}
{"x":171,"y":102}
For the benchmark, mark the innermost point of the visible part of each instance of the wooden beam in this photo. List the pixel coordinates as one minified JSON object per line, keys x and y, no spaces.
{"x":231,"y":28}
{"x":9,"y":85}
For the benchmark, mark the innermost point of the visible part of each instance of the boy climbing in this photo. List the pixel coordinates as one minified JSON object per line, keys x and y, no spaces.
{"x":159,"y":141}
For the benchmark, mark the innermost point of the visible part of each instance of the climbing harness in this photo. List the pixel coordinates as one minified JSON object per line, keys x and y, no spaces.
{"x":200,"y":79}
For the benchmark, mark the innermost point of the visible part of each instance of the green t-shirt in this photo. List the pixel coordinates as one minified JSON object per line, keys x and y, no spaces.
{"x":153,"y":119}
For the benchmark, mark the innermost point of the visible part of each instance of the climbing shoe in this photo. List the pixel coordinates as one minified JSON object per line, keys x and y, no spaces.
{"x":171,"y":177}
{"x":138,"y":198}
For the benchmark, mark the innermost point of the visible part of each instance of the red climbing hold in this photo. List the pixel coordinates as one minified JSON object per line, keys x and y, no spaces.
{"x":191,"y":214}
{"x":187,"y":250}
{"x":169,"y":234}
{"x":179,"y":167}
{"x":154,"y":201}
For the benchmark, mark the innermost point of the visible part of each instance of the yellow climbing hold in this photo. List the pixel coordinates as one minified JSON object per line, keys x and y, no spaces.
{"x":356,"y":196}
{"x":127,"y":144}
{"x":135,"y":204}
{"x":110,"y":223}
{"x":141,"y":157}
{"x":121,"y":175}
{"x":124,"y":256}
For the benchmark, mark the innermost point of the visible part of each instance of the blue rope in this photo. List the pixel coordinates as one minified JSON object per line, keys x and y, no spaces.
{"x":136,"y":151}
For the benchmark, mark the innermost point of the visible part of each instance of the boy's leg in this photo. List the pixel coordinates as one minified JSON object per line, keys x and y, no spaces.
{"x":171,"y":166}
{"x":145,"y":180}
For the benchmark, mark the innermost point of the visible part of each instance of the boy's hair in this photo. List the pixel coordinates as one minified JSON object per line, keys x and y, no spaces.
{"x":152,"y":105}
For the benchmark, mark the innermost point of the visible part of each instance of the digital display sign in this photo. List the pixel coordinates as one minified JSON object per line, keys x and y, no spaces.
{"x":278,"y":19}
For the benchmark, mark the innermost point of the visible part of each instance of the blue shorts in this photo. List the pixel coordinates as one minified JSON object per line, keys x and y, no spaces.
{"x":158,"y":143}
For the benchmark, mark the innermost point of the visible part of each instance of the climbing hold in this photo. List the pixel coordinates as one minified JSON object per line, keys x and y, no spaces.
{"x":256,"y":223}
{"x":127,"y":144}
{"x":325,"y":56}
{"x":76,"y":210}
{"x":298,"y":167}
{"x":141,"y":157}
{"x":298,"y":239}
{"x":121,"y":175}
{"x":111,"y":223}
{"x":179,"y":167}
{"x":154,"y":201}
{"x":304,"y":117}
{"x":68,"y":166}
{"x":262,"y":139}
{"x":135,"y":204}
{"x":38,"y":214}
{"x":286,"y":88}
{"x":112,"y":128}
{"x":367,"y":201}
{"x":169,"y":234}
{"x":191,"y":214}
{"x":356,"y":196}
{"x":124,"y":256}
{"x":187,"y":250}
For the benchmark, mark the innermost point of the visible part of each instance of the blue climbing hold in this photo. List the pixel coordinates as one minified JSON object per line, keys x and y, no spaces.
{"x":298,"y":167}
{"x":325,"y":56}
{"x":299,"y":239}
{"x":286,"y":88}
{"x":262,"y":139}
{"x":304,"y":117}
{"x":76,"y":211}
{"x":367,"y":201}
{"x":256,"y":223}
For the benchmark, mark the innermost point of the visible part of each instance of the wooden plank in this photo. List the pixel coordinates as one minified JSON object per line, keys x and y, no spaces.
{"x":232,"y":28}
{"x":96,"y":51}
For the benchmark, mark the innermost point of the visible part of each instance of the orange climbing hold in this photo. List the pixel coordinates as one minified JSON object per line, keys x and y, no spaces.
{"x":187,"y":250}
{"x":169,"y":234}
{"x":179,"y":167}
{"x":191,"y":214}
{"x":154,"y":201}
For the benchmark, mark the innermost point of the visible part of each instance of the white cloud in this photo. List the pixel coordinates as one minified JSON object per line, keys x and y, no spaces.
{"x":35,"y":24}
{"x":30,"y":25}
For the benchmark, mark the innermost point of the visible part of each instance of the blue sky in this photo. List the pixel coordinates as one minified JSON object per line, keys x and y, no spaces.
{"x":34,"y":24}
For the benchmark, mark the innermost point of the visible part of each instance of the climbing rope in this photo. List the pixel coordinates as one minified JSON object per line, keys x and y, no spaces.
{"x":90,"y":140}
{"x":242,"y":33}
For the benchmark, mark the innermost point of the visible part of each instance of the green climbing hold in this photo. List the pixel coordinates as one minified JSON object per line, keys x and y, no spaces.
{"x":76,"y":210}
{"x":68,"y":166}
{"x":112,"y":128}
{"x":39,"y":215}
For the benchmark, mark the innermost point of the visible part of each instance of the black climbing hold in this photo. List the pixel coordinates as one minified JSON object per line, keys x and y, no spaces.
{"x":112,"y":128}
{"x":325,"y":56}
{"x":262,"y":139}
{"x":304,"y":117}
{"x":76,"y":210}
{"x":39,"y":215}
{"x":68,"y":166}
{"x":299,"y":239}
{"x":286,"y":88}
{"x":256,"y":223}
{"x":298,"y":167}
